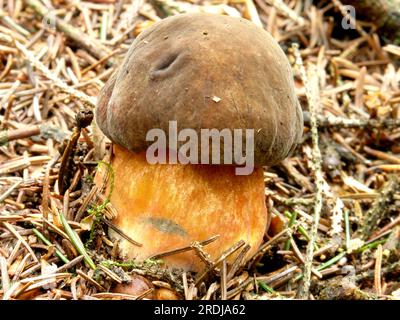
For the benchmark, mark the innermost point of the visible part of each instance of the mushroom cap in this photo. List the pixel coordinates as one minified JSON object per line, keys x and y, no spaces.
{"x":204,"y":71}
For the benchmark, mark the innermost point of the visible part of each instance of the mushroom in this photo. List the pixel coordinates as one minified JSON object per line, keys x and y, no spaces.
{"x":200,"y":71}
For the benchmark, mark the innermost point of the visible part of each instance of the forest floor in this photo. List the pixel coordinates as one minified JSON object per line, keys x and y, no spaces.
{"x":335,"y":203}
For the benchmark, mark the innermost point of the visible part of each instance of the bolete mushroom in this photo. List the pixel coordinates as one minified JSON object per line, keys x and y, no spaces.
{"x":199,"y":71}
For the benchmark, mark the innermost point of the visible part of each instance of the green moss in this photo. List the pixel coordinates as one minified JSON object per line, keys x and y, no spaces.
{"x":131,"y":264}
{"x":97,"y":210}
{"x":125,"y":265}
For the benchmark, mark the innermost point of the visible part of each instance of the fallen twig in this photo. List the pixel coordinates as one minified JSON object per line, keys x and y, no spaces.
{"x":379,"y":208}
{"x":313,"y":103}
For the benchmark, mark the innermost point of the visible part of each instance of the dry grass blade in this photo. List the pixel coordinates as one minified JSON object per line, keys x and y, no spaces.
{"x":89,"y":279}
{"x":5,"y":280}
{"x":238,"y":263}
{"x":378,"y":270}
{"x":46,"y":241}
{"x":20,"y":238}
{"x":74,"y":238}
{"x":89,"y":101}
{"x":223,"y":280}
{"x":184,"y":249}
{"x":9,"y":191}
{"x":121,"y":233}
{"x":110,"y":273}
{"x":70,"y":264}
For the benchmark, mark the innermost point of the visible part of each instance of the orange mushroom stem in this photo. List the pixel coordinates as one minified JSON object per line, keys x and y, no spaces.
{"x":167,"y":207}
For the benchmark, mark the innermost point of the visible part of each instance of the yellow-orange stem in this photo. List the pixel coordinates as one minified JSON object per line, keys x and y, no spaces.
{"x":165,"y":207}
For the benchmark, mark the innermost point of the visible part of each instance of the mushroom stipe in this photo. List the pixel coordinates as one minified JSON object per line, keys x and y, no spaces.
{"x":168,"y":206}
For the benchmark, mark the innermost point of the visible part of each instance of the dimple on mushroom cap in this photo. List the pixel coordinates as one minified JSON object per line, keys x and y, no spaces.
{"x":204,"y":71}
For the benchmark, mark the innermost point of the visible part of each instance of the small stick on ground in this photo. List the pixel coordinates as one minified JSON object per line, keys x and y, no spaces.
{"x":382,"y":155}
{"x":213,"y":266}
{"x":340,"y":122}
{"x":5,"y":280}
{"x":266,"y":246}
{"x":184,"y":249}
{"x":313,"y":103}
{"x":379,"y":209}
{"x":10,"y":190}
{"x":378,"y":269}
{"x":70,"y":264}
{"x":86,"y":100}
{"x":19,"y":237}
{"x":90,"y":280}
{"x":204,"y":256}
{"x":223,"y":280}
{"x":93,"y":46}
{"x":120,"y":232}
{"x":11,"y":135}
{"x":238,"y":263}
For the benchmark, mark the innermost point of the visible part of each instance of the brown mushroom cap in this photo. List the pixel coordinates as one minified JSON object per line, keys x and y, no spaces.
{"x":204,"y":71}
